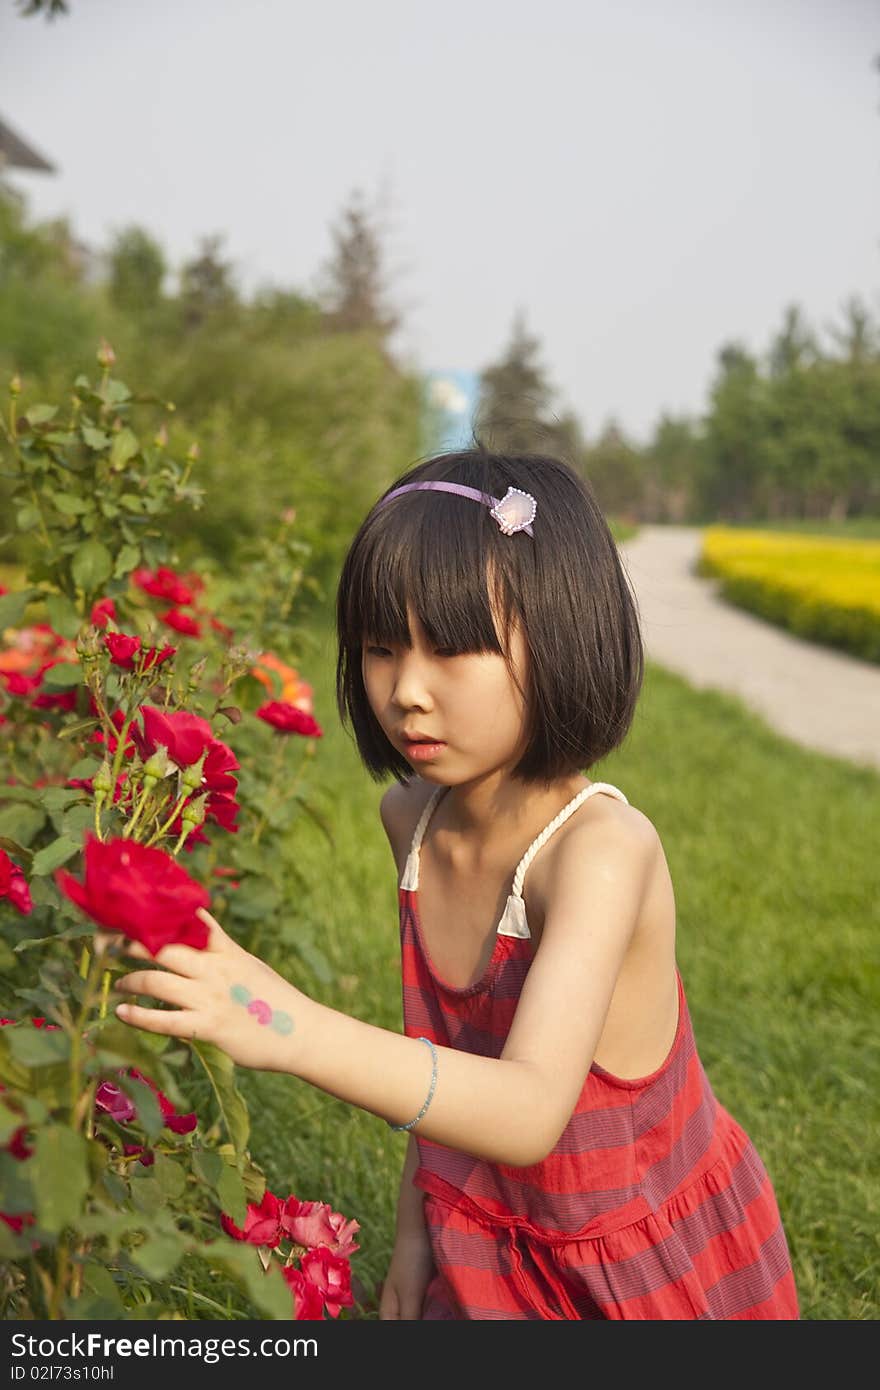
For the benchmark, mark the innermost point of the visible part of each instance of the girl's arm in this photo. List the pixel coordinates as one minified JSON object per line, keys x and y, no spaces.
{"x":509,"y":1110}
{"x":411,"y":1201}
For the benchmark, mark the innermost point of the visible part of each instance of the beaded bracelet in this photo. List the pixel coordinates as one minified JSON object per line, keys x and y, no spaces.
{"x":430,"y":1092}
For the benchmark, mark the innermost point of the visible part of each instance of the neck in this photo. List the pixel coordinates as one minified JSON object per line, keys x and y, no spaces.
{"x":482,"y":819}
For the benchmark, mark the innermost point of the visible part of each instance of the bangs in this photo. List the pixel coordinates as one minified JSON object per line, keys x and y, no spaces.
{"x":395,"y":567}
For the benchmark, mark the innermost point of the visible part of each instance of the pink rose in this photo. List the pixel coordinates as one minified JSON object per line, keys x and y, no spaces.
{"x":313,"y":1223}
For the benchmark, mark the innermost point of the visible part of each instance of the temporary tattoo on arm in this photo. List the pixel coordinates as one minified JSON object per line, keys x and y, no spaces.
{"x":275,"y":1019}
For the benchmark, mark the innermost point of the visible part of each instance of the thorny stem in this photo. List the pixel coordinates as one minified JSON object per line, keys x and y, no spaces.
{"x":163,"y":830}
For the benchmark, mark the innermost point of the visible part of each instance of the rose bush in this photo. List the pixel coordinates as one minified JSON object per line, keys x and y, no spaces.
{"x":118,"y":1197}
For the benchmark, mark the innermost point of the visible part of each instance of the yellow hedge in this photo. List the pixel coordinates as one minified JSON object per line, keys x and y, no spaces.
{"x":822,"y":588}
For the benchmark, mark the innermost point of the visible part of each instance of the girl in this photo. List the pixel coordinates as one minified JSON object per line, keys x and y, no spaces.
{"x":567,"y":1157}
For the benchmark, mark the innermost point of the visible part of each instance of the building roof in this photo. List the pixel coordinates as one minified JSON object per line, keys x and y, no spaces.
{"x":17,"y":153}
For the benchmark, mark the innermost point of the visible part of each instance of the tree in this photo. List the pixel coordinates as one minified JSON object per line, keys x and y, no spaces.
{"x":353,"y":294}
{"x":514,"y":414}
{"x":794,"y":346}
{"x":206,"y":286}
{"x":615,"y":471}
{"x":137,"y":269}
{"x":735,"y":435}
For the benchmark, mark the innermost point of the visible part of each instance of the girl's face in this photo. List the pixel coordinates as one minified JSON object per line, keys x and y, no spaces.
{"x":467,"y":703}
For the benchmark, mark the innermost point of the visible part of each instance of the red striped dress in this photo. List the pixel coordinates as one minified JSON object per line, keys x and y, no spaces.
{"x":654,"y":1202}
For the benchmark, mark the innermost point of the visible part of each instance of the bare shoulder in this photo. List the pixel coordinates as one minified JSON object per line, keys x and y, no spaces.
{"x":400,"y":808}
{"x":606,"y":837}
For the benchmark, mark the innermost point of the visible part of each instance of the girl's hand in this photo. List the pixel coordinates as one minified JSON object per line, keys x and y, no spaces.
{"x":221,"y":995}
{"x":409,"y":1274}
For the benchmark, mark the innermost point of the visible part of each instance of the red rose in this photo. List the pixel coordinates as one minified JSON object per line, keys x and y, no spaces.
{"x":186,"y":736}
{"x":155,"y":656}
{"x":308,"y":1305}
{"x":313,"y":1223}
{"x":220,"y":763}
{"x":288,"y":719}
{"x":115,"y":1102}
{"x":163,"y":584}
{"x":122,"y":648}
{"x":102,"y":612}
{"x":181,"y":622}
{"x":13,"y":885}
{"x":140,"y":891}
{"x":225,"y":631}
{"x":146,"y":1156}
{"x":331,"y":1276}
{"x":262,"y":1224}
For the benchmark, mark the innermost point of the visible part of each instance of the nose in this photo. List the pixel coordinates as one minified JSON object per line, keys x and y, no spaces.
{"x":411,"y":681}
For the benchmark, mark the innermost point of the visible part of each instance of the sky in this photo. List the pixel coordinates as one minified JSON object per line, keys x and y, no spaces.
{"x":646,"y":181}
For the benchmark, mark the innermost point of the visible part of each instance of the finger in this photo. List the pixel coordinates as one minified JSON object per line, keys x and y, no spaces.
{"x":213,"y":925}
{"x":155,"y":984}
{"x":119,"y":945}
{"x":175,"y":1023}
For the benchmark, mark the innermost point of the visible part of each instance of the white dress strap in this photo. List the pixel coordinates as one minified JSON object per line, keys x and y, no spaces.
{"x":410,"y":878}
{"x":513,"y":919}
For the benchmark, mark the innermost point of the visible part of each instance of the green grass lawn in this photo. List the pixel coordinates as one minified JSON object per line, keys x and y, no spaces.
{"x":773,"y":856}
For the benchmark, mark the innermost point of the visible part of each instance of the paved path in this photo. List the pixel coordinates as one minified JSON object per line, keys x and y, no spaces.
{"x":815,"y":695}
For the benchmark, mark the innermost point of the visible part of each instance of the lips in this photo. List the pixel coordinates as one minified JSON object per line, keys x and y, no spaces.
{"x":420,"y":738}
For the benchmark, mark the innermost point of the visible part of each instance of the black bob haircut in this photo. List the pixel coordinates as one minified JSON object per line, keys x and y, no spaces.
{"x":439,"y":553}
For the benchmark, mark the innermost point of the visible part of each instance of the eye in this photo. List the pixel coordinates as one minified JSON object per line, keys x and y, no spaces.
{"x":377,"y":651}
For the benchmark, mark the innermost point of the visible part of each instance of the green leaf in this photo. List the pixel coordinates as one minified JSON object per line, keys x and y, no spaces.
{"x":149,"y":1114}
{"x":146,"y":1194}
{"x":96,"y":439}
{"x":10,"y":1121}
{"x":207,"y":1165}
{"x":80,"y":727}
{"x":231,"y":1194}
{"x":265,"y":1288}
{"x":24,"y":856}
{"x":40,"y":414}
{"x":36,"y":1047}
{"x":51,"y":857}
{"x":60,"y":1176}
{"x":12,"y":607}
{"x":65,"y":675}
{"x":63,"y":616}
{"x":221,"y":1073}
{"x":126,"y":561}
{"x":27,"y":517}
{"x":85,"y":767}
{"x":77,"y":820}
{"x":69,"y":505}
{"x":91,"y":566}
{"x":131,"y":500}
{"x":115,"y":392}
{"x":158,"y":1255}
{"x":21,"y":823}
{"x":99,"y":1283}
{"x":170,"y":1176}
{"x":57,"y":798}
{"x":8,"y":960}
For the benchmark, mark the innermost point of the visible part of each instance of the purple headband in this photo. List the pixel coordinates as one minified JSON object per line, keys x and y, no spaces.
{"x":515,"y":511}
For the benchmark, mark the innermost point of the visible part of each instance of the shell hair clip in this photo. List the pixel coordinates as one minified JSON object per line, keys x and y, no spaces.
{"x":515,"y":511}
